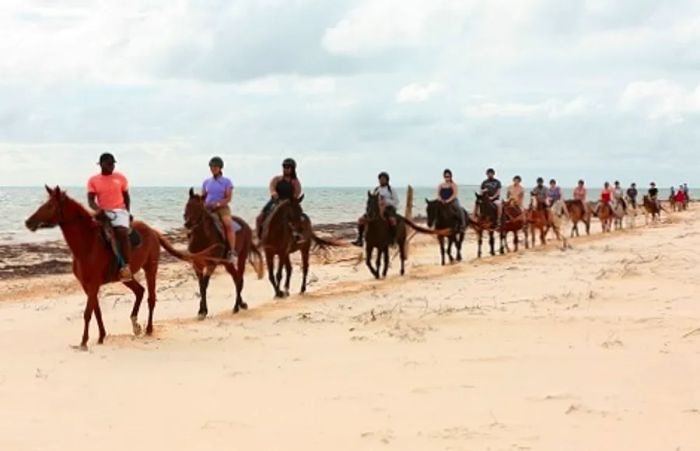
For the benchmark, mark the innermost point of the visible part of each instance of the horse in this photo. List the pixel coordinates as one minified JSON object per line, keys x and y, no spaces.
{"x":651,"y":207}
{"x":605,"y":214}
{"x":514,"y":220}
{"x":279,"y":239}
{"x":619,"y":212}
{"x":578,"y":212}
{"x":379,"y":236}
{"x":441,"y":216}
{"x":485,"y":220}
{"x":538,"y":217}
{"x":632,"y":212}
{"x":559,"y":217}
{"x":94,"y":262}
{"x":203,"y":233}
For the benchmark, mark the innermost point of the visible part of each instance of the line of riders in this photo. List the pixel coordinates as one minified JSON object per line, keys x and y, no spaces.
{"x":108,"y":197}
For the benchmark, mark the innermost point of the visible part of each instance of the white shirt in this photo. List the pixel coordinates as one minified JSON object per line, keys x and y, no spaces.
{"x":390,"y":198}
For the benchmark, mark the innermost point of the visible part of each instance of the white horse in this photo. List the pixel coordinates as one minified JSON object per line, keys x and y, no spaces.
{"x":559,"y":219}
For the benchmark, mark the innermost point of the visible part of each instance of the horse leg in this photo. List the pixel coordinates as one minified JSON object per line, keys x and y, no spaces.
{"x":480,"y":240}
{"x":138,"y":291}
{"x":378,"y":262}
{"x":288,"y":277}
{"x":151,"y":271}
{"x":492,"y":243}
{"x":203,"y":278}
{"x":441,"y":240}
{"x":386,"y":262}
{"x":278,"y":276}
{"x":304,"y":268}
{"x":270,"y":260}
{"x":237,"y":282}
{"x":100,"y":324}
{"x":368,"y":262}
{"x":503,"y":236}
{"x":402,"y":257}
{"x":87,"y":315}
{"x":458,"y":245}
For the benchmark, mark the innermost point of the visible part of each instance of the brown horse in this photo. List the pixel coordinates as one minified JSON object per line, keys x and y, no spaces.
{"x":514,"y":220}
{"x":606,"y":214}
{"x":651,"y":207}
{"x":578,"y":212}
{"x":94,"y":261}
{"x":485,"y":221}
{"x":538,"y":217}
{"x":203,"y":234}
{"x":379,"y":236}
{"x":287,"y":230}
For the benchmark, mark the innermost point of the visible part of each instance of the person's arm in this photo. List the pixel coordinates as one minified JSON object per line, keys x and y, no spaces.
{"x":92,"y":196}
{"x":273,"y":187}
{"x":127,"y":200}
{"x":439,"y":188}
{"x":496,"y":194}
{"x":455,"y":193}
{"x":296,"y":184}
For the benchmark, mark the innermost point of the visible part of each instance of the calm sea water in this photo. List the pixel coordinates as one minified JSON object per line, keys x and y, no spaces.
{"x":163,"y":207}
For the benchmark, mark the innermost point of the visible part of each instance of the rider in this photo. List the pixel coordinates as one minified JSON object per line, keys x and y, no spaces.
{"x":282,"y":187}
{"x":539,"y":192}
{"x":686,"y":191}
{"x":108,"y":195}
{"x":218,"y":193}
{"x":553,"y":193}
{"x":491,"y":188}
{"x":654,"y":194}
{"x":391,"y":204}
{"x":448,"y":194}
{"x":606,"y":197}
{"x":580,"y":192}
{"x":516,"y":194}
{"x":632,"y":194}
{"x":619,"y":195}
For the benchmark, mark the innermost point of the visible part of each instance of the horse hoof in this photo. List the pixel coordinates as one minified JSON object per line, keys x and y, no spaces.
{"x":201,"y":316}
{"x":101,"y":341}
{"x":82,"y":347}
{"x":235,"y":310}
{"x":149,"y":331}
{"x":137,"y":328}
{"x":244,"y":306}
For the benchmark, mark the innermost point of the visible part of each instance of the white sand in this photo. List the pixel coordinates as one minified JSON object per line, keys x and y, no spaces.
{"x":595,"y":348}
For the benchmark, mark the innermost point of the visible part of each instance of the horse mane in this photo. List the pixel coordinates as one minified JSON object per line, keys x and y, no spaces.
{"x":78,"y":208}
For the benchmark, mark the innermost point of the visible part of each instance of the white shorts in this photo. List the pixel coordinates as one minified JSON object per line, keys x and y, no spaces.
{"x":118,"y":218}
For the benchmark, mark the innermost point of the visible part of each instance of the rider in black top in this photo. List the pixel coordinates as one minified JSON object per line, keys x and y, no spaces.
{"x":491,"y":190}
{"x":632,"y":194}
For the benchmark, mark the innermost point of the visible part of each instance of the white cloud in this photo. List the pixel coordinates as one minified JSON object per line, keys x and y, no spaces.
{"x":552,"y":108}
{"x":660,"y":99}
{"x":417,"y":92}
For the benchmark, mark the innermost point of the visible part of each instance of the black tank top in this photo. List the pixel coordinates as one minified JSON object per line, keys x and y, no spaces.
{"x":285,"y":189}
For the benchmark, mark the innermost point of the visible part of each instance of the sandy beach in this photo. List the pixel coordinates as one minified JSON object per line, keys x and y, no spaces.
{"x":593,"y":348}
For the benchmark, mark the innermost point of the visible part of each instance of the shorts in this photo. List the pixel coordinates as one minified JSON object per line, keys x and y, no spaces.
{"x":119,"y":217}
{"x":223,"y":211}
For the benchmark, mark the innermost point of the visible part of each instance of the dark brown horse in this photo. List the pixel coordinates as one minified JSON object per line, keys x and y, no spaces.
{"x":93,"y":258}
{"x":287,"y":230}
{"x":205,"y":233}
{"x":651,"y":207}
{"x":442,"y":216}
{"x":578,"y":212}
{"x":379,"y":236}
{"x":606,"y":215}
{"x":485,"y":221}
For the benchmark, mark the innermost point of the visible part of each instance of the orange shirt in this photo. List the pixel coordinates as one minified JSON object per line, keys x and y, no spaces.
{"x":109,"y":190}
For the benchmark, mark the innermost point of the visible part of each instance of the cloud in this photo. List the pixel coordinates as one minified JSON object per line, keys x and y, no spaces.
{"x":416,"y":92}
{"x":551,"y":108}
{"x":660,"y":99}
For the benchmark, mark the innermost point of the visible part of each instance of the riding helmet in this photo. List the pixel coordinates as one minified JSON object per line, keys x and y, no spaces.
{"x":383,"y":174}
{"x":289,"y":162}
{"x":216,"y":161}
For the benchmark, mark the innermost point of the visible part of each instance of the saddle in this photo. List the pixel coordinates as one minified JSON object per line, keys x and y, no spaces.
{"x":220,"y":225}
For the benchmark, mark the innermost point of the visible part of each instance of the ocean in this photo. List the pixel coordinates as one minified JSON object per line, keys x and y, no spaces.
{"x":162,"y":207}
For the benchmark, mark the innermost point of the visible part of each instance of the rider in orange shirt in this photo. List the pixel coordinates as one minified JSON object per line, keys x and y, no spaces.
{"x":108,"y":195}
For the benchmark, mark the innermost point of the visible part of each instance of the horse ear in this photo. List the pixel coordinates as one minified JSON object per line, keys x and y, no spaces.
{"x":427,"y":201}
{"x":191,"y":193}
{"x":48,"y":190}
{"x":369,"y":194}
{"x":301,"y":198}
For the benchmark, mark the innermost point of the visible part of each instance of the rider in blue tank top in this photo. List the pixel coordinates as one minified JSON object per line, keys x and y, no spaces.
{"x":448,"y":192}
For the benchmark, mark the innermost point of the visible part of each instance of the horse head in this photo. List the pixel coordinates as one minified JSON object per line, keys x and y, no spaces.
{"x":194,"y":210}
{"x":432,"y":210}
{"x":50,"y":213}
{"x":375,"y":209}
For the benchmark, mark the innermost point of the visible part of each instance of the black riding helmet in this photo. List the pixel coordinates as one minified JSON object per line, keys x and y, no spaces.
{"x":289,"y":162}
{"x":216,"y":161}
{"x":540,"y":180}
{"x":383,"y":174}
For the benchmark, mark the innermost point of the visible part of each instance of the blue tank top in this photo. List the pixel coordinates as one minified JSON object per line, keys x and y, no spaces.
{"x":446,"y":192}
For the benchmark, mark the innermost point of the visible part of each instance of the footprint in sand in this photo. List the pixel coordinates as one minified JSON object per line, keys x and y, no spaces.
{"x":384,"y":437}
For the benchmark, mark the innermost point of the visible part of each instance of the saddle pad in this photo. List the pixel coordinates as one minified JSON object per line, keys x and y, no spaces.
{"x":220,"y":226}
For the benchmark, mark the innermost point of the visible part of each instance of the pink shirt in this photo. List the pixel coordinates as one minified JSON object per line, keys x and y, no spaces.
{"x":580,"y":193}
{"x":109,"y":190}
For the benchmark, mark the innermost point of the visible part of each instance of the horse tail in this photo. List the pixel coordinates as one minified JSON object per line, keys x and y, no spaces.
{"x":256,"y":261}
{"x":323,"y":243}
{"x":420,"y":229}
{"x":200,"y":258}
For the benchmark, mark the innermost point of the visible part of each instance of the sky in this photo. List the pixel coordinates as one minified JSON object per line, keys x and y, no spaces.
{"x":592,"y":89}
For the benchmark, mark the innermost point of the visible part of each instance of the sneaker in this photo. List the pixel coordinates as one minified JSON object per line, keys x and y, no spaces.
{"x":125,"y":274}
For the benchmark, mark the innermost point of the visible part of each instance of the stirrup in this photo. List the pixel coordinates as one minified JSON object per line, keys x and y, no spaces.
{"x":125,"y":274}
